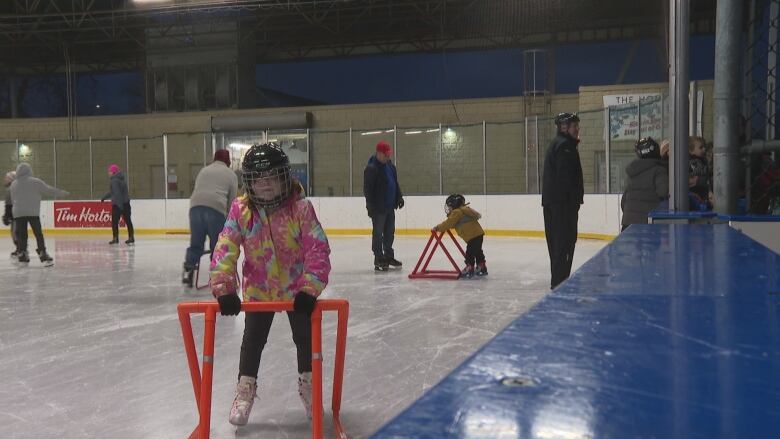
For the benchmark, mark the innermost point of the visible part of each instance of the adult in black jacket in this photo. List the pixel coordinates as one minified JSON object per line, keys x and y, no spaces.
{"x":562,"y":193}
{"x":648,"y":181}
{"x":383,"y":196}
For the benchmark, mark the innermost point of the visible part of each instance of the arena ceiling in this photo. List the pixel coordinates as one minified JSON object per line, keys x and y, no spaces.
{"x":100,"y":35}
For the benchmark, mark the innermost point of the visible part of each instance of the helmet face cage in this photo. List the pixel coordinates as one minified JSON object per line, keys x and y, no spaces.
{"x":279,"y":176}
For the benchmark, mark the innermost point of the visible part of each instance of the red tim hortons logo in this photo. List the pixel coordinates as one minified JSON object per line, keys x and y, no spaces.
{"x":78,"y":214}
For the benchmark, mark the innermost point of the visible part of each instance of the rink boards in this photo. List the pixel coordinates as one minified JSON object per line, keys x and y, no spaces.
{"x":670,"y":331}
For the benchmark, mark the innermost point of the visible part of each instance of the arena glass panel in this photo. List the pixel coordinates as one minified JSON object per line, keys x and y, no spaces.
{"x":462,"y":159}
{"x":185,"y":160}
{"x":146,"y":168}
{"x":330,"y":164}
{"x":506,"y":158}
{"x":73,"y":171}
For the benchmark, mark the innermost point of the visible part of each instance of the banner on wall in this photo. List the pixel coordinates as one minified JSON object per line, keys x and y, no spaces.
{"x":624,"y":116}
{"x":80,"y":214}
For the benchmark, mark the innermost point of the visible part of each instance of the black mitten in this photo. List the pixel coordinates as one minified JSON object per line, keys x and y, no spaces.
{"x":229,"y":304}
{"x":8,"y":216}
{"x":304,"y":302}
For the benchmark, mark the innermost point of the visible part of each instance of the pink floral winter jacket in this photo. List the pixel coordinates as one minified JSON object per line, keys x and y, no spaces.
{"x":285,"y":252}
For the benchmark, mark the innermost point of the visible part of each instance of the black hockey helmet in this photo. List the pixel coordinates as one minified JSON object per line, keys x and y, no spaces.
{"x":454,"y":201}
{"x":647,"y":148}
{"x":266,"y":162}
{"x":566,"y":118}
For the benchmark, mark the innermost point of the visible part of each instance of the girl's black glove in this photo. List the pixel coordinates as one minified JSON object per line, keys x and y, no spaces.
{"x":304,"y":302}
{"x":229,"y":304}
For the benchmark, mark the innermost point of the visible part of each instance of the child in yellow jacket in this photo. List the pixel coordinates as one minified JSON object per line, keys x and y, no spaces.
{"x":465,"y":220}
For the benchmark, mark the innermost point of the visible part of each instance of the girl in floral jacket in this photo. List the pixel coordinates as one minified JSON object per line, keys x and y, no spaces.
{"x":286,"y":257}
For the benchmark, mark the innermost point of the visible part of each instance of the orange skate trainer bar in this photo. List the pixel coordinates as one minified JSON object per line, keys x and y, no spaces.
{"x":202,"y":381}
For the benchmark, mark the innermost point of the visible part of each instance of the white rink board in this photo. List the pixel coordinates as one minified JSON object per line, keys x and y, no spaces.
{"x":599,"y":214}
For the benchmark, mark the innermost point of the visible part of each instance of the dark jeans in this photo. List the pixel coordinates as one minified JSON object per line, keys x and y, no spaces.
{"x":116,"y":212}
{"x":204,"y":221}
{"x":560,"y":229}
{"x":474,"y":250}
{"x":383,"y":234}
{"x":21,"y":232}
{"x":257,"y":325}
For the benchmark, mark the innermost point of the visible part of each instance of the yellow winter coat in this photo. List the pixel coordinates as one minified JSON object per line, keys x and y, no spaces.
{"x":465,"y":221}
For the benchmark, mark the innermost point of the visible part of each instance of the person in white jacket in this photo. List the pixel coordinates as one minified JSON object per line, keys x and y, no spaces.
{"x":215,"y":189}
{"x":26,"y":193}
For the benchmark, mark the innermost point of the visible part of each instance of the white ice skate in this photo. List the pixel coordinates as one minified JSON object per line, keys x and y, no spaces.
{"x":246,"y":392}
{"x":304,"y":391}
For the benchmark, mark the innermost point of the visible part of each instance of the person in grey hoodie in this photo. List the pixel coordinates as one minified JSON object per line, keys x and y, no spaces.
{"x":648,"y":181}
{"x":120,"y":204}
{"x":26,"y":193}
{"x":215,"y":189}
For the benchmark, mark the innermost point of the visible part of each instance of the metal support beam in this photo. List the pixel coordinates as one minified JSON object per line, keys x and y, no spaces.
{"x":678,"y":94}
{"x":726,"y":105}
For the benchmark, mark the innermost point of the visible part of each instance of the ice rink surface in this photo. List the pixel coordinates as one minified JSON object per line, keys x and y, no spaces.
{"x":92,"y":347}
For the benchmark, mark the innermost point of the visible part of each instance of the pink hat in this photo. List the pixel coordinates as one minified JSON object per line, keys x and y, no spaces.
{"x":384,"y":148}
{"x":113,"y":168}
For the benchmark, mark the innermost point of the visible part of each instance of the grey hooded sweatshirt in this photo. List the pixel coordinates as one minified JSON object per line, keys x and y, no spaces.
{"x":118,"y":190}
{"x":648,"y":184}
{"x":26,"y":192}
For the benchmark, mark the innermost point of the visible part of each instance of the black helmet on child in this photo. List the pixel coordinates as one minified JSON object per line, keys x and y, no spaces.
{"x":647,"y":148}
{"x":454,"y":201}
{"x":563,"y":118}
{"x":267,"y":162}
{"x":697,"y":167}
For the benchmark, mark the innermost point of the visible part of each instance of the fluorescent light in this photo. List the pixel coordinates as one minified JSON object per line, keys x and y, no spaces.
{"x":413,"y":132}
{"x":389,"y":131}
{"x":239,"y":146}
{"x":370,"y":133}
{"x":432,"y":130}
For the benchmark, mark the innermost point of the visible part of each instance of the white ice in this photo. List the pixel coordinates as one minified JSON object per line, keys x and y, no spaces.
{"x":92,"y":347}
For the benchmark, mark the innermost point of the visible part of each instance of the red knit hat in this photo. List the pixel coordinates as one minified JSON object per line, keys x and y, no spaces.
{"x":223,"y":155}
{"x":384,"y":148}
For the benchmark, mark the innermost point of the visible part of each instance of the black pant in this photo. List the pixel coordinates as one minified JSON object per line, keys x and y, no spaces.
{"x":257,"y":325}
{"x":474,"y":251}
{"x":560,"y":229}
{"x":124,"y":211}
{"x":383,"y":234}
{"x":21,"y":232}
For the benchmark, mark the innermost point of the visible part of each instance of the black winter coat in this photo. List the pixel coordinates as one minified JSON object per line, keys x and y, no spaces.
{"x":648,"y":184}
{"x":562,"y":173}
{"x":375,"y":186}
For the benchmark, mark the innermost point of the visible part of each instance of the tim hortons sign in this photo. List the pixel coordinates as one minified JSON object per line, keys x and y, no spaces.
{"x":79,"y":214}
